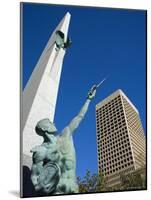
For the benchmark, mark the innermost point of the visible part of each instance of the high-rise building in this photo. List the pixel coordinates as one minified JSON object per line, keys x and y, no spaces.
{"x":120,"y":137}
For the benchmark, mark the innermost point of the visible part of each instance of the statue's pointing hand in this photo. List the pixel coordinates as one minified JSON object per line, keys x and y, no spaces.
{"x":92,"y":92}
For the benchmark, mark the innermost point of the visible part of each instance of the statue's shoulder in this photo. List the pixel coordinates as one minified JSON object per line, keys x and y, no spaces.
{"x":39,"y":153}
{"x":65,"y":133}
{"x":38,"y":149}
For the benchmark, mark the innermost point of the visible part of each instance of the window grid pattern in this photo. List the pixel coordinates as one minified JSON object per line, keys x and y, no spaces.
{"x":114,"y":151}
{"x":136,"y":134}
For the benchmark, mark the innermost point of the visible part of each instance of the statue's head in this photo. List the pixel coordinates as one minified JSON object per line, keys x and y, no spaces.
{"x":45,"y":125}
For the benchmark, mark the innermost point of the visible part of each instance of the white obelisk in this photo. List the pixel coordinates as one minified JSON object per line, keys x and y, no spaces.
{"x":40,"y":94}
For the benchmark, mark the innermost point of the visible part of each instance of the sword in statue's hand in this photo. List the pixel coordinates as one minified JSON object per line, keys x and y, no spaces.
{"x":98,"y":85}
{"x":93,"y":89}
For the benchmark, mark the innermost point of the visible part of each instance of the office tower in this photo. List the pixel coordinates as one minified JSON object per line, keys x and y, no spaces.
{"x":120,"y":137}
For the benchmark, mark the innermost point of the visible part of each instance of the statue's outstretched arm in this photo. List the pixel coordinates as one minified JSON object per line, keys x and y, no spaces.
{"x":73,"y":125}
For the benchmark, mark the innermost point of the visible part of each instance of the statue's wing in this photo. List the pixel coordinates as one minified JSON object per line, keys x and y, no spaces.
{"x":68,"y":43}
{"x":59,"y":38}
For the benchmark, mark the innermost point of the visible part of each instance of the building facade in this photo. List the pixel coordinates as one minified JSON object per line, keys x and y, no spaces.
{"x":120,"y":137}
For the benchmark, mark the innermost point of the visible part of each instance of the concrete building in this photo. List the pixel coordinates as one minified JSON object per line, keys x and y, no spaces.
{"x":120,"y":137}
{"x":38,"y":99}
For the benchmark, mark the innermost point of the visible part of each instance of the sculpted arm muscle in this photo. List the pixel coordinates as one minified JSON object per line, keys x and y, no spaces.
{"x":73,"y":125}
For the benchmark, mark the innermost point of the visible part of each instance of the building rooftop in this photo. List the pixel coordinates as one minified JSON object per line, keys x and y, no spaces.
{"x":112,"y":96}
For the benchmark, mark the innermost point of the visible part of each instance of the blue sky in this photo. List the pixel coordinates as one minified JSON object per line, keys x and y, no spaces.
{"x":106,"y":42}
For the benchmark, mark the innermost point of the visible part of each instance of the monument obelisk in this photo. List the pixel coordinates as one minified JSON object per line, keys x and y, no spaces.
{"x":40,"y":94}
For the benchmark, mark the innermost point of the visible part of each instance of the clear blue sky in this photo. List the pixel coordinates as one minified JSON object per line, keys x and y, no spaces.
{"x":105,"y":42}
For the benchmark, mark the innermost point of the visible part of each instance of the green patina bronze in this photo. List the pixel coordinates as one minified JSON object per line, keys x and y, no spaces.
{"x":54,"y":161}
{"x":60,"y":41}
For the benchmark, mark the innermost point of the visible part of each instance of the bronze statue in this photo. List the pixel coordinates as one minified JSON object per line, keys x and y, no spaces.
{"x":54,"y":161}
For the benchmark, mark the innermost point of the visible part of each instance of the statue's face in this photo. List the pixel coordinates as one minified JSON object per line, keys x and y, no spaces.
{"x":45,"y":126}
